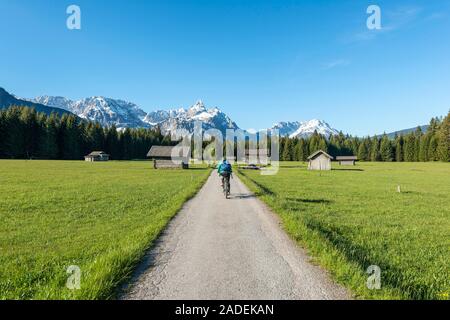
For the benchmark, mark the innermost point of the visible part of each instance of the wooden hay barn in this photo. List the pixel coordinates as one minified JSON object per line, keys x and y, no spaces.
{"x":347,"y":160}
{"x":166,"y":157}
{"x":256,"y":156}
{"x":96,"y":156}
{"x":319,"y":160}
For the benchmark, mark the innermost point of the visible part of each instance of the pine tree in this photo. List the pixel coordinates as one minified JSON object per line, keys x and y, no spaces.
{"x":14,"y":142}
{"x":335,"y":146}
{"x":323,"y":144}
{"x":399,"y":149}
{"x":51,"y":141}
{"x":348,"y":148}
{"x":2,"y":134}
{"x":314,"y":142}
{"x":355,"y":145}
{"x":125,"y":144}
{"x":410,"y":148}
{"x":30,"y":132}
{"x":41,"y":146}
{"x":432,"y":131}
{"x":287,"y":150}
{"x":443,"y":148}
{"x":423,"y":147}
{"x":112,"y":142}
{"x":375,"y":150}
{"x":301,"y":150}
{"x":363,"y":151}
{"x":294,"y":146}
{"x":386,"y":150}
{"x":281,"y":151}
{"x":433,"y":148}
{"x":418,"y":134}
{"x":433,"y":127}
{"x":70,"y":138}
{"x":96,"y":137}
{"x":85,"y":143}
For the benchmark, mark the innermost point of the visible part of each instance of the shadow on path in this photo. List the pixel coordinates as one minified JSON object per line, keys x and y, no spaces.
{"x":241,"y":196}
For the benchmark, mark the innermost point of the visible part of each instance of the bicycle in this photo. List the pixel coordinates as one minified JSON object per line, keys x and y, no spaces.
{"x":226,"y":185}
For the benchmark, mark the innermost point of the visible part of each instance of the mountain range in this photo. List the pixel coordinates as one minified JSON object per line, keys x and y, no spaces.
{"x":403,"y":132}
{"x":123,"y":114}
{"x":304,"y":129}
{"x":106,"y":111}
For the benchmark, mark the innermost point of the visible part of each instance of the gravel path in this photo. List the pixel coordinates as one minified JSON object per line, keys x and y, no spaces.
{"x":228,"y":249}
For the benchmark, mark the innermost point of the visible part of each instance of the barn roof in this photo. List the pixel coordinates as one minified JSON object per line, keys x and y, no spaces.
{"x":167,"y":151}
{"x":318,"y":153}
{"x":97,"y":153}
{"x":344,"y":158}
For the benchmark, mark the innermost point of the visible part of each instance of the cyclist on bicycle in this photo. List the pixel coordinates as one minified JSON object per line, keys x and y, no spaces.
{"x":224,"y":169}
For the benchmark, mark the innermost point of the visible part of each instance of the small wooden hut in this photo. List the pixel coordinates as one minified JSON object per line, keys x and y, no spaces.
{"x":256,"y":156}
{"x":347,"y":160}
{"x":319,"y":160}
{"x":96,"y":156}
{"x":166,"y":157}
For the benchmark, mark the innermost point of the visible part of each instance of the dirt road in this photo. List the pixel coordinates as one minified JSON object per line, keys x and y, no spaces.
{"x":228,"y":249}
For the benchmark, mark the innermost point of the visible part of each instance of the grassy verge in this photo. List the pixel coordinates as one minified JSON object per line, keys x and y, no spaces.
{"x":353,"y":217}
{"x":99,"y":216}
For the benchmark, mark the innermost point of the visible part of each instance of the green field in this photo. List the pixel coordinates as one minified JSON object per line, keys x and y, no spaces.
{"x":98,"y":216}
{"x":103,"y":216}
{"x":353,"y":217}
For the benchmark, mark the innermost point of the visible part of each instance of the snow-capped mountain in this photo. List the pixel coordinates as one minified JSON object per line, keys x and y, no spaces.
{"x":124,"y":114}
{"x":286,"y":128}
{"x":185,"y":119}
{"x":304,"y":129}
{"x":106,"y":111}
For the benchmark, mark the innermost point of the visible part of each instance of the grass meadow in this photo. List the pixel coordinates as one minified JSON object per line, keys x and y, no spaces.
{"x":98,"y":216}
{"x":353,"y":217}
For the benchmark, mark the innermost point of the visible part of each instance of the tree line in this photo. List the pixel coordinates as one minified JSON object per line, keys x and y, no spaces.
{"x":27,"y":134}
{"x":432,"y":145}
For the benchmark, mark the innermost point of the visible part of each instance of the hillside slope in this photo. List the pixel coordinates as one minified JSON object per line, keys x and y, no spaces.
{"x":7,"y":100}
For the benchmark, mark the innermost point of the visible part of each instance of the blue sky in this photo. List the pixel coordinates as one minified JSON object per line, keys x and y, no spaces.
{"x":260,"y":61}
